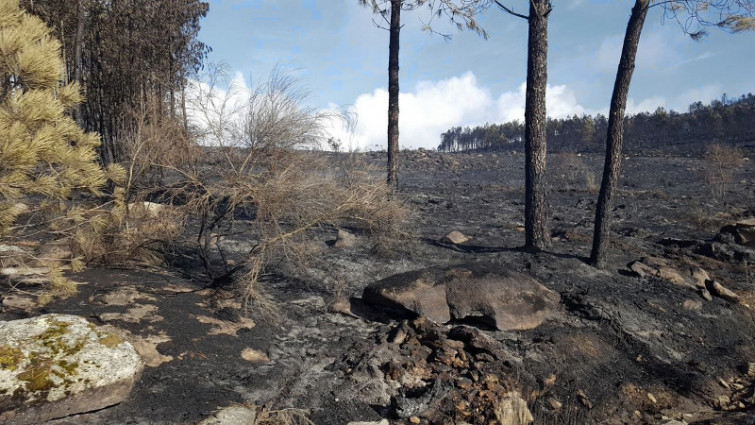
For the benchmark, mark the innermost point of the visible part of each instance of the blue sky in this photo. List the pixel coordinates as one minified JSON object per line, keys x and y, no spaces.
{"x":342,"y":57}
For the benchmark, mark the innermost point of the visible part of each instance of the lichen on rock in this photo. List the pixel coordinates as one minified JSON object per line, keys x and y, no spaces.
{"x":49,"y":364}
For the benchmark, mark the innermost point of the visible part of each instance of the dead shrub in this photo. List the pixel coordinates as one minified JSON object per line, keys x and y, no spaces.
{"x":266,"y":164}
{"x":575,"y":173}
{"x":721,"y":162}
{"x":153,"y":146}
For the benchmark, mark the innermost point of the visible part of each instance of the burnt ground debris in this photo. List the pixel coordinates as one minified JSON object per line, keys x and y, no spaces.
{"x":622,"y":349}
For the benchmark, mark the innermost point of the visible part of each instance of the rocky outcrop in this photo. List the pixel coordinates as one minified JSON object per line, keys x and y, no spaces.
{"x":501,"y":298}
{"x":56,"y":365}
{"x":743,"y":232}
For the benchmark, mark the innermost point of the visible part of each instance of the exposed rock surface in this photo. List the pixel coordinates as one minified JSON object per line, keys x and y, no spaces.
{"x":743,"y":231}
{"x":55,"y":365}
{"x":501,"y":298}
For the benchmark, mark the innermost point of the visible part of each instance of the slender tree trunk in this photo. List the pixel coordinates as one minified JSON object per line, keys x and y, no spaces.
{"x":537,"y":233}
{"x":78,"y":50}
{"x":615,"y":137}
{"x":183,"y":106}
{"x":393,"y":91}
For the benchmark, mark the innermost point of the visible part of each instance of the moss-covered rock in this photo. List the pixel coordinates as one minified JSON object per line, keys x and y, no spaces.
{"x":52,"y":366}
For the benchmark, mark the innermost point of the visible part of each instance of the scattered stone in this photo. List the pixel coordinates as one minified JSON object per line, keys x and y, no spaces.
{"x":583,"y":399}
{"x":60,"y":365}
{"x":512,"y":410}
{"x":724,"y":383}
{"x":344,"y":239}
{"x":658,"y":268}
{"x":721,"y":291}
{"x":232,"y":415}
{"x":652,"y":399}
{"x":675,"y":422}
{"x":555,"y":404}
{"x":414,"y":420}
{"x":693,"y":305}
{"x":254,"y":356}
{"x":501,"y":298}
{"x":380,"y":422}
{"x":455,"y":237}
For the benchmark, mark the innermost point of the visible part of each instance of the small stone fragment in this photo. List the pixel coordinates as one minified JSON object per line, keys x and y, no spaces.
{"x":414,"y":420}
{"x":583,"y":399}
{"x":693,"y":305}
{"x":344,"y":239}
{"x":555,"y":404}
{"x":455,"y":237}
{"x":231,"y":416}
{"x":652,"y":399}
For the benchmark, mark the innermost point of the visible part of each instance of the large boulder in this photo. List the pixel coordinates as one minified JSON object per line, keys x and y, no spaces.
{"x":501,"y":298}
{"x":56,"y":365}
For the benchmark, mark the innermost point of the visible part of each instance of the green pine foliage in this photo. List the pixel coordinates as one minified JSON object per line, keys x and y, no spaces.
{"x":42,"y":149}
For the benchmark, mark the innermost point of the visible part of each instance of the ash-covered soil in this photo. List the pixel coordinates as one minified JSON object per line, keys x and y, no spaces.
{"x":621,"y":349}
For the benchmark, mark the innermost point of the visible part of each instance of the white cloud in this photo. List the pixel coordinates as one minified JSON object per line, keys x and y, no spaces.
{"x":435,"y":106}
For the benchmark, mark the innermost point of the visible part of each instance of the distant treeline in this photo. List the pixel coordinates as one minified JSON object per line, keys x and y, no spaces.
{"x":728,"y":120}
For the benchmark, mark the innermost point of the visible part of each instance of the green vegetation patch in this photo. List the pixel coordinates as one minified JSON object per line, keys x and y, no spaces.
{"x":10,"y":357}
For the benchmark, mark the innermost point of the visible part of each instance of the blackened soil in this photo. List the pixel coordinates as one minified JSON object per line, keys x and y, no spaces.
{"x":621,"y":350}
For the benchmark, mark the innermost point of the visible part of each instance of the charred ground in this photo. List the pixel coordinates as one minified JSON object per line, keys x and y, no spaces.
{"x":621,"y":349}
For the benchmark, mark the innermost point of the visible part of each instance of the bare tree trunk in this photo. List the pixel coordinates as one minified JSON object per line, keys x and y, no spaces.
{"x":183,"y":106}
{"x":615,"y":137}
{"x":537,"y":232}
{"x":393,"y":91}
{"x":78,"y":49}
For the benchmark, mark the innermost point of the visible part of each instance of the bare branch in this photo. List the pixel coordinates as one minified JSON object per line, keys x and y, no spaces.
{"x":509,"y":11}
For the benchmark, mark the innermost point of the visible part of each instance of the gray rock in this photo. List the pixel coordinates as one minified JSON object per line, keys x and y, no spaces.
{"x":419,"y":292}
{"x":56,"y":365}
{"x":232,"y":415}
{"x":500,"y":298}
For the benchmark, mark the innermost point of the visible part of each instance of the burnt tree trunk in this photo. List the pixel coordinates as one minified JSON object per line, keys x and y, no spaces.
{"x":537,"y":233}
{"x":393,"y":48}
{"x":615,"y":137}
{"x":78,"y":62}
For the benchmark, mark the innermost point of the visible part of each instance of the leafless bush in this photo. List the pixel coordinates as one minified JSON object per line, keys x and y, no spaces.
{"x":721,"y":163}
{"x":257,"y":140}
{"x":154,"y":144}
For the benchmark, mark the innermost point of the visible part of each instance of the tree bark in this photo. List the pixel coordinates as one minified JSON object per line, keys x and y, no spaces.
{"x":78,"y":50}
{"x":537,"y":232}
{"x":393,"y":92}
{"x":612,"y":165}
